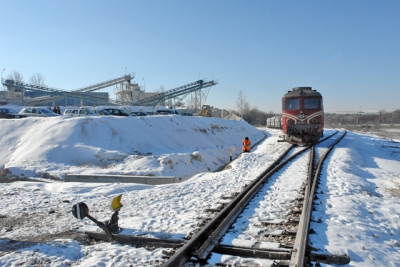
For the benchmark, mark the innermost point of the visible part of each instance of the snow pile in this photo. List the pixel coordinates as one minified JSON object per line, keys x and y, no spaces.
{"x":169,"y":145}
{"x":359,"y":211}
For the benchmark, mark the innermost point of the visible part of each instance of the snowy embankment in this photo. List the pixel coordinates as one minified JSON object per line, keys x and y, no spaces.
{"x":358,"y":204}
{"x":152,"y":145}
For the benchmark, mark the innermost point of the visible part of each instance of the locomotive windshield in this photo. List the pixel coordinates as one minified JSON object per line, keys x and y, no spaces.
{"x":311,"y":103}
{"x":292,"y":103}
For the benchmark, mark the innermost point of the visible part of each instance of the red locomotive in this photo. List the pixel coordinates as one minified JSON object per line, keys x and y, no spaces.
{"x":302,"y":116}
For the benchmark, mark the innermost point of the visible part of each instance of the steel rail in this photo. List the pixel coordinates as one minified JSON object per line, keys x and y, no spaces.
{"x":300,"y":244}
{"x":136,"y":240}
{"x":212,"y":241}
{"x":203,"y":252}
{"x":302,"y":231}
{"x":207,"y":238}
{"x":185,"y":252}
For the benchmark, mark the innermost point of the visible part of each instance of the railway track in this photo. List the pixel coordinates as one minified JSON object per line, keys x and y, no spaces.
{"x":266,"y":224}
{"x":240,"y":234}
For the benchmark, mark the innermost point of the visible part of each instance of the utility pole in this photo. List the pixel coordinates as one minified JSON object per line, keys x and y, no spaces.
{"x":2,"y":75}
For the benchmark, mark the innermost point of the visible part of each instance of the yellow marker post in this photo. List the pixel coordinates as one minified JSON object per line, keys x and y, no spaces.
{"x":116,"y":204}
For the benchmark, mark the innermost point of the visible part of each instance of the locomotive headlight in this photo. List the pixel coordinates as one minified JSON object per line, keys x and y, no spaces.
{"x":290,"y":121}
{"x":314,"y":131}
{"x":314,"y":120}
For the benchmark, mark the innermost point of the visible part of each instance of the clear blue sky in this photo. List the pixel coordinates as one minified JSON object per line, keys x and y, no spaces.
{"x":347,"y":50}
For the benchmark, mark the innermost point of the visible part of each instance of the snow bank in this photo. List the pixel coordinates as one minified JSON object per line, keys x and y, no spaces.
{"x":150,"y":145}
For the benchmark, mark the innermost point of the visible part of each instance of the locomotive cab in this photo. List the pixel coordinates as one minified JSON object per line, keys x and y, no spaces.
{"x":302,"y":116}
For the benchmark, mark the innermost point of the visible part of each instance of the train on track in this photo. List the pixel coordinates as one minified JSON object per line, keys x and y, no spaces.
{"x":302,"y":119}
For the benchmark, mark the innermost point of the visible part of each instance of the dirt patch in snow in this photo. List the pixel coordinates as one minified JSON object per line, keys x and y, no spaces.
{"x":11,"y":223}
{"x":395,"y":192}
{"x":9,"y":245}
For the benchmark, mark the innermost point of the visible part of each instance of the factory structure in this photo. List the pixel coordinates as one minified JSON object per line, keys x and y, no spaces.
{"x":127,"y":94}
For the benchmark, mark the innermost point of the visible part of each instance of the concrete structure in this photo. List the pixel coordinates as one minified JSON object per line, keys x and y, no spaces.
{"x":22,"y":93}
{"x":42,"y":95}
{"x":3,"y":97}
{"x":129,"y":94}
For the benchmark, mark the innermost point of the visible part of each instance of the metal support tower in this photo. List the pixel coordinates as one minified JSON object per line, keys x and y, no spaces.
{"x":98,"y":86}
{"x":198,"y":98}
{"x":171,"y":97}
{"x":56,"y":94}
{"x":175,"y":95}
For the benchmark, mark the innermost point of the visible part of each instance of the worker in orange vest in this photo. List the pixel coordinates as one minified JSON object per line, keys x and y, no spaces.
{"x":246,"y":145}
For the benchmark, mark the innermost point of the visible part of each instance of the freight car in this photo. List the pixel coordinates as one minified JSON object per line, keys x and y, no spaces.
{"x":274,"y":122}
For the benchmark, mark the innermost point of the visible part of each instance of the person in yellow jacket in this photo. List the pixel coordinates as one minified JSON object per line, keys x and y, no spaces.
{"x":246,"y":145}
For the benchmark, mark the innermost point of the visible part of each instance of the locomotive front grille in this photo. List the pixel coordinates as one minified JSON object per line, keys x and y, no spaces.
{"x":301,"y":130}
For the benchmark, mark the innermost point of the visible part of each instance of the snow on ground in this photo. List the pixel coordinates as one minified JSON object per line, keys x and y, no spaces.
{"x":360,"y":214}
{"x":152,"y":145}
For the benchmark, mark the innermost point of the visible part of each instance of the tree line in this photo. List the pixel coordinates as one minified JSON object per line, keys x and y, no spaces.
{"x":256,"y":117}
{"x":36,"y":78}
{"x":381,"y":117}
{"x":252,"y":115}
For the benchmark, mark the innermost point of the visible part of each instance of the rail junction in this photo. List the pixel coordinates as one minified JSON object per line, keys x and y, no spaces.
{"x":280,"y":239}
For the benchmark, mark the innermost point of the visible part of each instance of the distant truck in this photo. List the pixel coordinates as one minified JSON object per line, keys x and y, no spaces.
{"x":205,"y":111}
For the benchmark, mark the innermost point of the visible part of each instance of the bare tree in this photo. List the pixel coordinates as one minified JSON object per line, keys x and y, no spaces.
{"x":37,"y":79}
{"x":180,"y":105}
{"x":242,"y":104}
{"x":161,"y":90}
{"x":246,"y":108}
{"x":189,"y":103}
{"x":16,"y":76}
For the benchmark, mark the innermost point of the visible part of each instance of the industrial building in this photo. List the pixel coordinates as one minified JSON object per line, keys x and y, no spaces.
{"x":127,"y":93}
